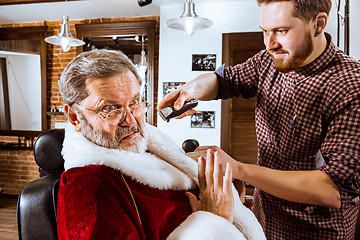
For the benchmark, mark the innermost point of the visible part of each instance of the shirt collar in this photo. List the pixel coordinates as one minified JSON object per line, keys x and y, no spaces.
{"x":321,"y":61}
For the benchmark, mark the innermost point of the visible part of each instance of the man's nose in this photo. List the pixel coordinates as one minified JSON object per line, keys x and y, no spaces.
{"x":271,"y":41}
{"x":129,"y":120}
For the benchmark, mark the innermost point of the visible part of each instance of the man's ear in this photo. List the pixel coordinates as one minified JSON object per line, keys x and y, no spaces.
{"x":320,"y":23}
{"x":72,"y":116}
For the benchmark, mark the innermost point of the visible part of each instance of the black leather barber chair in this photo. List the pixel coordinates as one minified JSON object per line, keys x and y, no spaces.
{"x":36,"y":210}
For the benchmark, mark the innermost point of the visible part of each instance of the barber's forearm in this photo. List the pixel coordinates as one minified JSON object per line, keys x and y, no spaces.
{"x":310,"y":187}
{"x":206,"y":86}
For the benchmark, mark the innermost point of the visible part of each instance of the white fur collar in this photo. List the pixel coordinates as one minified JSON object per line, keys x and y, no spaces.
{"x":165,"y":167}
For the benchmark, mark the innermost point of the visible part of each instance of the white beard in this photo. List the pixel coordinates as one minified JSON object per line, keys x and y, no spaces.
{"x":138,"y":145}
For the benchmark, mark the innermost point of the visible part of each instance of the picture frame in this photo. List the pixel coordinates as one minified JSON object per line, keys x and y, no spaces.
{"x":203,"y":119}
{"x":203,"y":62}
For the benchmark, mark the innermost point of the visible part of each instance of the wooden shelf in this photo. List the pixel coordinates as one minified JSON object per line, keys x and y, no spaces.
{"x":24,"y":138}
{"x":20,"y":133}
{"x":54,"y":113}
{"x":14,"y":147}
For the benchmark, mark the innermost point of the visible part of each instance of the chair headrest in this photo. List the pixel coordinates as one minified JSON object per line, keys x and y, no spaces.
{"x":47,"y":150}
{"x":190,"y":145}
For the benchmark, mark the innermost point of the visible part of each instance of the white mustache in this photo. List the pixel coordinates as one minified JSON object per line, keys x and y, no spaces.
{"x":121,"y":131}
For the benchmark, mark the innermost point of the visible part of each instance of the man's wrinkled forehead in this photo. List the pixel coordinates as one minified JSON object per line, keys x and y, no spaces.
{"x":117,"y":89}
{"x":123,"y":79}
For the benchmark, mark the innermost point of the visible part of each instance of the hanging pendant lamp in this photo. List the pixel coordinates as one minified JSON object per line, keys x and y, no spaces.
{"x":189,"y":22}
{"x":143,"y":65}
{"x":64,"y":39}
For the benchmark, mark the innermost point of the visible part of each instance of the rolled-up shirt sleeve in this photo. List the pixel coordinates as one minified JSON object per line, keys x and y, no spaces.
{"x":223,"y":92}
{"x":242,"y":79}
{"x":341,"y":149}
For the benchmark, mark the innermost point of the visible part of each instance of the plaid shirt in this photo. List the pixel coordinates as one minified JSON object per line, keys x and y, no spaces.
{"x":306,"y":119}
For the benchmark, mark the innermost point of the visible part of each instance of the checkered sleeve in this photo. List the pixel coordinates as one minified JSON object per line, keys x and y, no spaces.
{"x":241,"y":79}
{"x":341,"y":148}
{"x":223,"y":92}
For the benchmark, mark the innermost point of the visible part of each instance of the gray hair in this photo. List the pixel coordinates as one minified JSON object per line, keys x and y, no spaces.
{"x":92,"y":64}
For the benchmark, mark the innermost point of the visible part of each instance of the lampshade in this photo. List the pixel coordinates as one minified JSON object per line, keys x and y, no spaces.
{"x":64,"y":39}
{"x":189,"y":21}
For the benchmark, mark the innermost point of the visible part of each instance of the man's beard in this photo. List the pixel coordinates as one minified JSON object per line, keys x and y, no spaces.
{"x":297,"y":59}
{"x":104,"y":139}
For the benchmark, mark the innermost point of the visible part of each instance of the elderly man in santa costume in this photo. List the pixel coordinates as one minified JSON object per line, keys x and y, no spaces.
{"x":125,"y":179}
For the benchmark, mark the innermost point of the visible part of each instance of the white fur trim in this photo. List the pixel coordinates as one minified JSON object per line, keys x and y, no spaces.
{"x":206,"y":226}
{"x":246,"y":221}
{"x":145,"y":168}
{"x":164,"y":147}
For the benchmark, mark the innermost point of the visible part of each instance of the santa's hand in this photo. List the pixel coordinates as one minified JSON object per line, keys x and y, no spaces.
{"x":196,"y":155}
{"x":215,"y":191}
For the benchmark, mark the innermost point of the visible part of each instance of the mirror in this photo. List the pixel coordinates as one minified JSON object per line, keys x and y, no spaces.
{"x":133,"y":46}
{"x":22,"y":81}
{"x":130,"y":38}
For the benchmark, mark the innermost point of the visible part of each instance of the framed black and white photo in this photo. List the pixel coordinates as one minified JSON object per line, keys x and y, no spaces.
{"x":203,"y":119}
{"x":171,"y":86}
{"x":203,"y":62}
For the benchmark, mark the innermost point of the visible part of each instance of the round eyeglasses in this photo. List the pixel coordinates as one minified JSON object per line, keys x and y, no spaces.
{"x":117,"y":115}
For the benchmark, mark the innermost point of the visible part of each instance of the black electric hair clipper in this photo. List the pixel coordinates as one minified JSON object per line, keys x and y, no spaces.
{"x":167,"y":113}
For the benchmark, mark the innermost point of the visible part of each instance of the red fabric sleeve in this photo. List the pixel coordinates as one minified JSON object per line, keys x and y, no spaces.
{"x":93,"y":204}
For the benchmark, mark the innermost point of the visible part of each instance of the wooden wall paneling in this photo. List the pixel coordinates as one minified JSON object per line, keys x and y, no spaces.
{"x":238,"y":133}
{"x":225,"y":135}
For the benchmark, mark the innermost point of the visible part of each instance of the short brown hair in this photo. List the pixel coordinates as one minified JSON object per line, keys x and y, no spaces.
{"x":306,"y":10}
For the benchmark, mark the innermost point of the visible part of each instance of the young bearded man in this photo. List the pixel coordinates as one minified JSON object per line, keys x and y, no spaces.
{"x":307,"y":123}
{"x":125,"y":179}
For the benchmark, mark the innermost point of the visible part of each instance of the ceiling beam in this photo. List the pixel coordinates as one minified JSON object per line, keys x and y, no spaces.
{"x":17,"y":2}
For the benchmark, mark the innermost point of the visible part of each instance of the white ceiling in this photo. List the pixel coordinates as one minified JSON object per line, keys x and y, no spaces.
{"x":77,"y":10}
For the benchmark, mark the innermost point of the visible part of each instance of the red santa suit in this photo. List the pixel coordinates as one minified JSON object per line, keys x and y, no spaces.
{"x":116,"y":194}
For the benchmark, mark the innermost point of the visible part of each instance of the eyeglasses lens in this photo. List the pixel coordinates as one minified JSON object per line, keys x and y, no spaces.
{"x":117,"y":116}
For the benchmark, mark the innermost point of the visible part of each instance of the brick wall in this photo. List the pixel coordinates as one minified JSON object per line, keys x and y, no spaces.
{"x":18,"y":167}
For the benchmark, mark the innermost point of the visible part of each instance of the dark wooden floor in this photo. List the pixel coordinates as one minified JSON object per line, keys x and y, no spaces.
{"x":8,"y":225}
